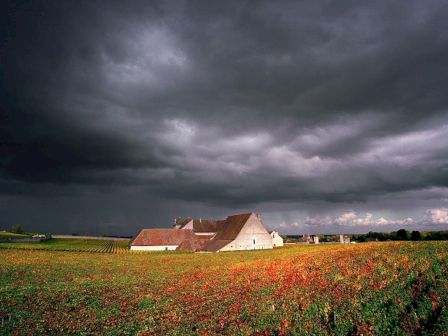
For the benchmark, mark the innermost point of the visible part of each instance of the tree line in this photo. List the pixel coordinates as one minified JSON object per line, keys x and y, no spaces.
{"x":401,"y":234}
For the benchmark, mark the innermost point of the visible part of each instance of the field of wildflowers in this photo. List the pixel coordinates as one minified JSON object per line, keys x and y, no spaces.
{"x":393,"y":288}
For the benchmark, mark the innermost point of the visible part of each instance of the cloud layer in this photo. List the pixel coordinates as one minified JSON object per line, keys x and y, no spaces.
{"x":284,"y":107}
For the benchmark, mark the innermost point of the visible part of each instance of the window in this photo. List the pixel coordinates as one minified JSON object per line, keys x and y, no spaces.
{"x":254,"y":241}
{"x":166,"y":248}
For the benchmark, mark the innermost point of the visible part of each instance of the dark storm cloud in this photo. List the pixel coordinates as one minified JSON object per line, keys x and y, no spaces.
{"x":232,"y":104}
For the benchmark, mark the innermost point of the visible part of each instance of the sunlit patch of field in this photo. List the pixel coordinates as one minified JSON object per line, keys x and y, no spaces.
{"x":396,"y":288}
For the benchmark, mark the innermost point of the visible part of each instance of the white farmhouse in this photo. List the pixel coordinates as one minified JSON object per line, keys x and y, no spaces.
{"x":238,"y":232}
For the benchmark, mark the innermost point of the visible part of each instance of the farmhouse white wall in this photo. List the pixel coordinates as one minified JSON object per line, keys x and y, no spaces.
{"x":253,"y":236}
{"x":276,"y":239}
{"x":188,"y":226}
{"x":154,"y":248}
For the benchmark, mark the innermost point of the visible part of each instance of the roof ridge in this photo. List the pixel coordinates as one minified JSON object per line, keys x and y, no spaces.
{"x":242,"y":214}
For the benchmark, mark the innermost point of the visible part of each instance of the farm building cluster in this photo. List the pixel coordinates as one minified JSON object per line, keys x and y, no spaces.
{"x":317,"y":239}
{"x":314,"y":239}
{"x":237,"y":232}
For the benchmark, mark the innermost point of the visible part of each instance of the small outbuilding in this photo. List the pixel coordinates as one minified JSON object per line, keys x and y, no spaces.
{"x":277,"y":240}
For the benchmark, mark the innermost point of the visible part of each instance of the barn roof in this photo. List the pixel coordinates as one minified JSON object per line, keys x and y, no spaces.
{"x":215,"y":245}
{"x":197,"y":243}
{"x":232,"y":226}
{"x":154,"y":237}
{"x":206,"y":225}
{"x":228,"y":232}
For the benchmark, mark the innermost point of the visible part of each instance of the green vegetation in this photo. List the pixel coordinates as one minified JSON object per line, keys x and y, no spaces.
{"x":393,"y":288}
{"x":416,"y":235}
{"x":399,"y":235}
{"x":17,"y":229}
{"x":75,"y":245}
{"x":402,"y":234}
{"x":6,"y":234}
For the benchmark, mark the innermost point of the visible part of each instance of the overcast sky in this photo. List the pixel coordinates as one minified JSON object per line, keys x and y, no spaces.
{"x":324,"y":116}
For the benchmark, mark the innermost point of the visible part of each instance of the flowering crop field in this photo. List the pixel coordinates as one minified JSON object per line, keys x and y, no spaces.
{"x":393,"y":288}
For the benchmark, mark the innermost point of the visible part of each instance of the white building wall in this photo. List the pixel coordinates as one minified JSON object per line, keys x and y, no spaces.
{"x":188,"y":226}
{"x":276,"y":239}
{"x":154,"y":248}
{"x":253,"y":236}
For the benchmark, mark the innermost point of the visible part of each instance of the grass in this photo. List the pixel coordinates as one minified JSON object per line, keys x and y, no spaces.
{"x":75,"y":245}
{"x":6,"y":234}
{"x":395,"y":288}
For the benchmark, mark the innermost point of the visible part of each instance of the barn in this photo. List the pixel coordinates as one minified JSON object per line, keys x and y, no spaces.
{"x":166,"y":240}
{"x":237,"y":232}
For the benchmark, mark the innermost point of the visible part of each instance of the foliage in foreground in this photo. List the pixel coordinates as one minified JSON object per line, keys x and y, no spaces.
{"x":365,"y":289}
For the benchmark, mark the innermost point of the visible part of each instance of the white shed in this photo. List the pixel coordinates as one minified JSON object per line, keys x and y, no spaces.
{"x":277,"y":240}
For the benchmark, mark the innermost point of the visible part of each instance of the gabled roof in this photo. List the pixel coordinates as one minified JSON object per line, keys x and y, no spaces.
{"x":154,"y":237}
{"x":206,"y":225}
{"x":183,"y":221}
{"x":228,"y":232}
{"x":232,"y":226}
{"x":198,"y":243}
{"x":215,"y":245}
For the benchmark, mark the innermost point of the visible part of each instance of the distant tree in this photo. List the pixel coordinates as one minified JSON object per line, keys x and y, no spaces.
{"x":360,"y":238}
{"x":437,"y":235}
{"x":415,"y":235}
{"x":381,"y":236}
{"x":402,"y":234}
{"x":17,"y":229}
